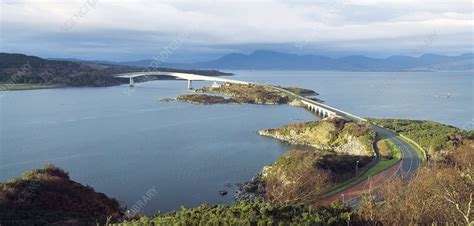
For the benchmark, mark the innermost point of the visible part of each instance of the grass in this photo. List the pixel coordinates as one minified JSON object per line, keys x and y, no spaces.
{"x":379,"y":167}
{"x":433,"y":137}
{"x":391,"y":124}
{"x":26,"y":86}
{"x":396,"y":152}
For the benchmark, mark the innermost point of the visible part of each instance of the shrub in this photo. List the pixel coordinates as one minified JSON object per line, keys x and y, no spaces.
{"x":436,"y":138}
{"x":254,"y":213}
{"x":384,"y":150}
{"x":441,"y":193}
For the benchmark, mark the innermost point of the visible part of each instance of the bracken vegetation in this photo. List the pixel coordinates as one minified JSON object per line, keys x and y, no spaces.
{"x":47,"y":195}
{"x":301,"y":177}
{"x":387,"y":149}
{"x":441,"y":193}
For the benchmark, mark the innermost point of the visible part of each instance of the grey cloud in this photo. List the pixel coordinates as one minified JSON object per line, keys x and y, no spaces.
{"x":117,"y":30}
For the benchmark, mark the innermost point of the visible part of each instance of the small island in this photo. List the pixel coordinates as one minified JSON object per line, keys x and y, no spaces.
{"x":203,"y":99}
{"x":244,"y":94}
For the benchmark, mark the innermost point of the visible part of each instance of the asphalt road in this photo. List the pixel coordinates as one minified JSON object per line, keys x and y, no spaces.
{"x":410,"y":160}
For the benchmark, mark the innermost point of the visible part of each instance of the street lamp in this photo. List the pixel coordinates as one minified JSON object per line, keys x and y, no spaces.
{"x":357,"y":167}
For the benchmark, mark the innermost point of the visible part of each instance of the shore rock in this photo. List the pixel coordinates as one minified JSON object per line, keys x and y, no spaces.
{"x":167,"y":100}
{"x":251,"y":190}
{"x":330,"y":134}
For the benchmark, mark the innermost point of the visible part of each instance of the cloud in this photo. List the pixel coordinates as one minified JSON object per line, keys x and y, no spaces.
{"x":119,"y":29}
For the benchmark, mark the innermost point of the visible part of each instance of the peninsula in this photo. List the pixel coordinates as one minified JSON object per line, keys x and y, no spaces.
{"x":20,"y":72}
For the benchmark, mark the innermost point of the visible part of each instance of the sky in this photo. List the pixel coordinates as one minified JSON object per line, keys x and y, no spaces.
{"x":200,"y":30}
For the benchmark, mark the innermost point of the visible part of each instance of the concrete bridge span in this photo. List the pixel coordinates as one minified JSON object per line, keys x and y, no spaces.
{"x":321,"y":109}
{"x":186,"y":76}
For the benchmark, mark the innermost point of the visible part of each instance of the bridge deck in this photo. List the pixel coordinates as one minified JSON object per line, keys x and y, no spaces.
{"x":195,"y":77}
{"x":187,"y":76}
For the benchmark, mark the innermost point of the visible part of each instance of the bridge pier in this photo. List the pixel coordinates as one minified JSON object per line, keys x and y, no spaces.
{"x":190,"y":84}
{"x":131,"y":82}
{"x":319,"y":110}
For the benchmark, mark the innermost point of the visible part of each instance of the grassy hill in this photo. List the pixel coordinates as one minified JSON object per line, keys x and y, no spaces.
{"x":22,"y":69}
{"x":47,"y":195}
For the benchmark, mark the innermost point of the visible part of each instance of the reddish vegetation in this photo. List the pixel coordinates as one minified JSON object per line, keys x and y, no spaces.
{"x":48,"y":195}
{"x":363,"y":186}
{"x":300,"y":177}
{"x":441,"y":193}
{"x":384,"y":150}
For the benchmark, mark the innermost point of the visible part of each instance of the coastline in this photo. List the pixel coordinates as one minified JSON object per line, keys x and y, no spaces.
{"x":25,"y":86}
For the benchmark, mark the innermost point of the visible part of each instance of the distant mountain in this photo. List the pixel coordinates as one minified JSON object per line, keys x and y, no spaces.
{"x":274,"y":60}
{"x":271,"y":60}
{"x":267,"y":60}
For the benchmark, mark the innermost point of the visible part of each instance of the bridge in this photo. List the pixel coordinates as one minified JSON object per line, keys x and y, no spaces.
{"x":322,"y":110}
{"x":186,"y":76}
{"x":314,"y":106}
{"x":409,"y":160}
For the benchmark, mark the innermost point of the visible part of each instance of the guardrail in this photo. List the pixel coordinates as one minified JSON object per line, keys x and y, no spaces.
{"x":416,"y":144}
{"x":316,"y":103}
{"x":407,"y":138}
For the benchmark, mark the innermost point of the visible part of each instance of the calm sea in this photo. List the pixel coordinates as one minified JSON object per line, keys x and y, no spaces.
{"x":125,"y":142}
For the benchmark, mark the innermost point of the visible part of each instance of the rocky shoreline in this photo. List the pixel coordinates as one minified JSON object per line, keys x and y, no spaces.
{"x":331,"y":134}
{"x":203,"y":99}
{"x":251,"y":190}
{"x":293,"y":141}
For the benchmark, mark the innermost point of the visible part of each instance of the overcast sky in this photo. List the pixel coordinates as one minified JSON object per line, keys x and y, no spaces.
{"x":196,"y":30}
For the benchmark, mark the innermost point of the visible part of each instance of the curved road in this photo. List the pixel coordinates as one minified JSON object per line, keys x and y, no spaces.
{"x":405,"y":168}
{"x":409,"y":159}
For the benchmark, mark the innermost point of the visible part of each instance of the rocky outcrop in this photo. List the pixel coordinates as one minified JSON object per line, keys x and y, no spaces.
{"x":167,"y":100}
{"x":353,"y":146}
{"x":296,"y":103}
{"x":203,"y":99}
{"x":330,"y":134}
{"x":251,"y":190}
